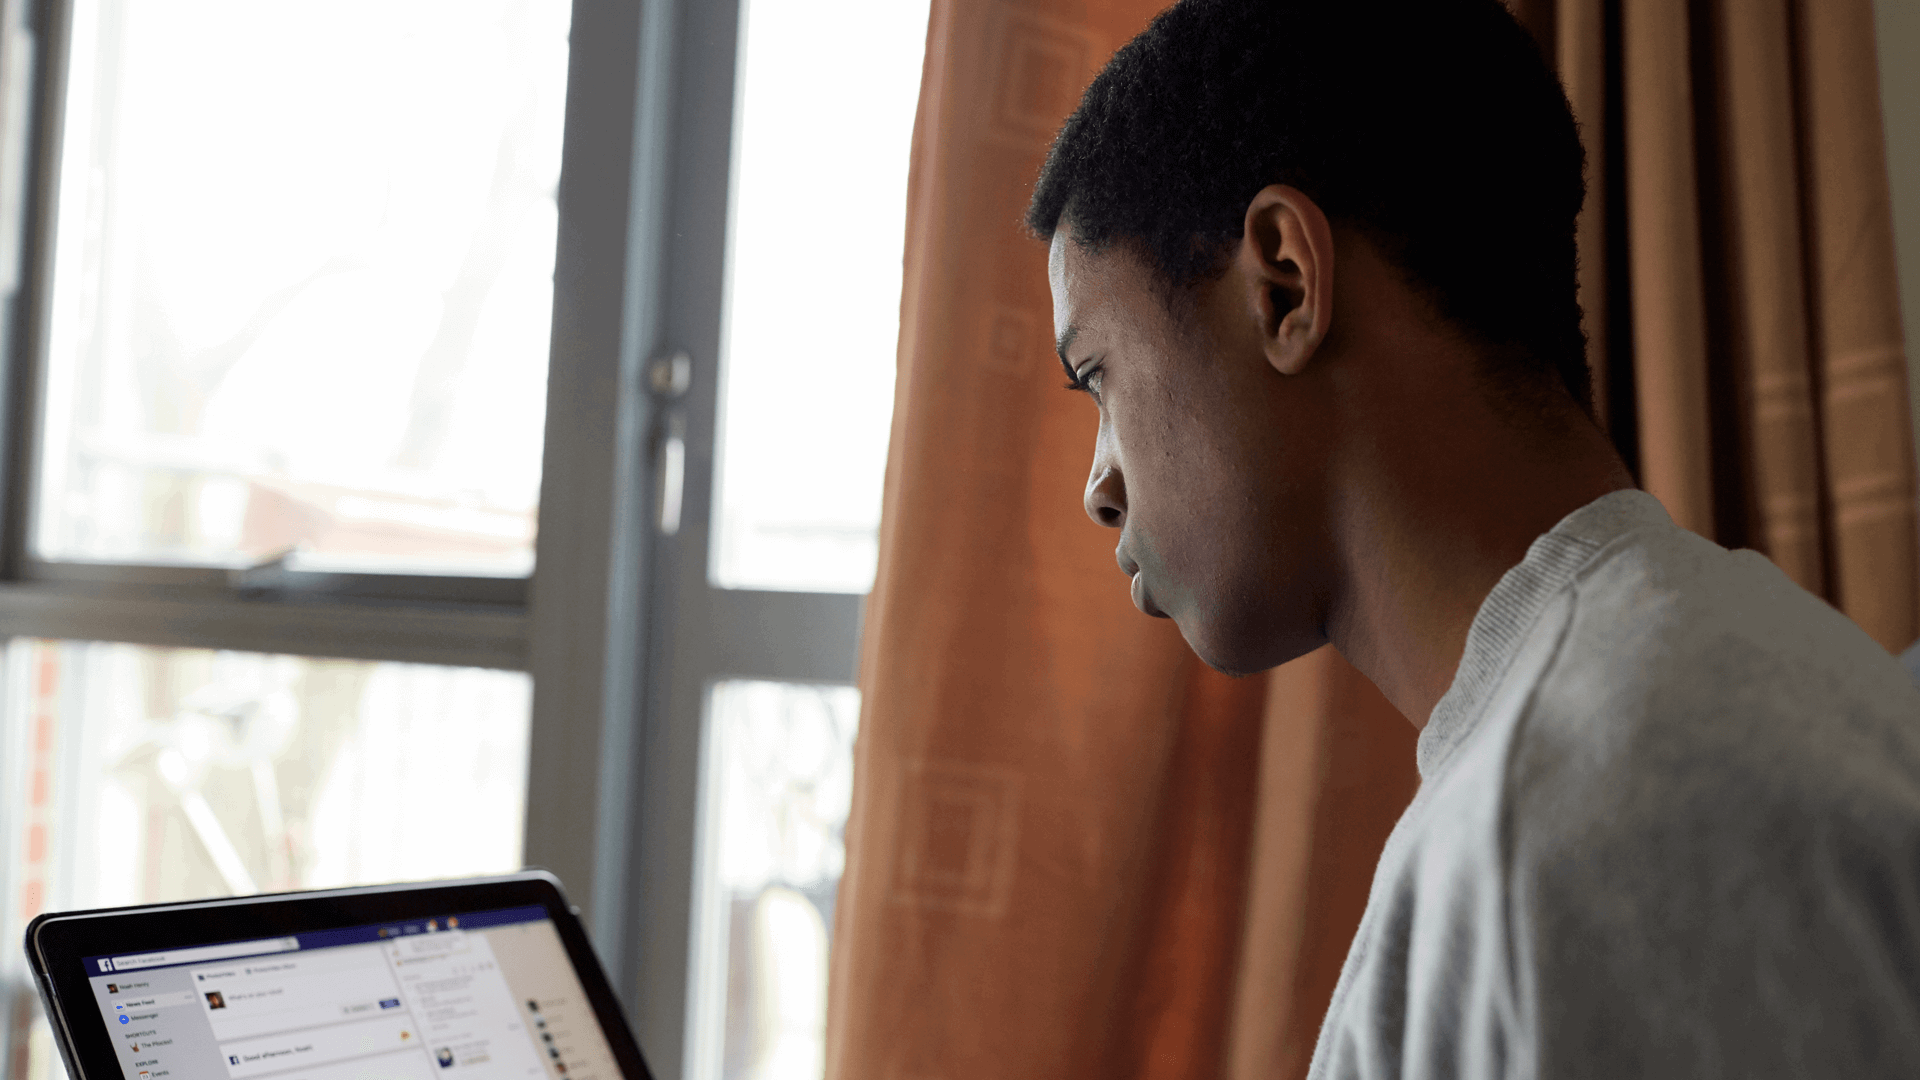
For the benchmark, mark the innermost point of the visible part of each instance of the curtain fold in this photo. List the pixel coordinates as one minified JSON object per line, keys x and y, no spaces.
{"x":1663,"y":226}
{"x":1763,"y":260}
{"x":1074,"y":851}
{"x":1855,"y":307}
{"x":1765,"y":372}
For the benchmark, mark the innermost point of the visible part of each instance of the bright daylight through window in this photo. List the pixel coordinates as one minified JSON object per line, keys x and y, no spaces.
{"x":302,"y":280}
{"x":301,"y":275}
{"x":136,"y":775}
{"x":145,"y":774}
{"x":813,"y":289}
{"x":815,"y":241}
{"x":298,"y":294}
{"x":781,"y":779}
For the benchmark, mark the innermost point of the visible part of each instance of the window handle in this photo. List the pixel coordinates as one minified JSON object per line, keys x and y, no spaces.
{"x":673,"y":474}
{"x":668,"y":377}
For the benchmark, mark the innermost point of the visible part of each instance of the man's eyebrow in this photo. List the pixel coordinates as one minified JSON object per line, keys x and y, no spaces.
{"x":1060,"y":346}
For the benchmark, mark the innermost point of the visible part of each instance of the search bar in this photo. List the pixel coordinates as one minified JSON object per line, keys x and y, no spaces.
{"x":202,"y":953}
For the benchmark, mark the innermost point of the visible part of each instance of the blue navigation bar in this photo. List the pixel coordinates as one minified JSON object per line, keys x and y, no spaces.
{"x":199,"y":953}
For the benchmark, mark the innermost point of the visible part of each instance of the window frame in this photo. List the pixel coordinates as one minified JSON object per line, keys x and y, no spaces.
{"x":661,"y":608}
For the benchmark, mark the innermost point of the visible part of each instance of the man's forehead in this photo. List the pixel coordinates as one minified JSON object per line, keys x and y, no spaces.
{"x":1087,"y":284}
{"x":1057,"y":278}
{"x":1091,"y":286}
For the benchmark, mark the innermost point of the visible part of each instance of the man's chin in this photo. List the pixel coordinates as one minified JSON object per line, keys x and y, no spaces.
{"x":1213,"y":652}
{"x":1237,"y":655}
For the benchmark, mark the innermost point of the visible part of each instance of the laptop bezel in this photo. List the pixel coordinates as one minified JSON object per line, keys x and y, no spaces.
{"x":57,"y":942}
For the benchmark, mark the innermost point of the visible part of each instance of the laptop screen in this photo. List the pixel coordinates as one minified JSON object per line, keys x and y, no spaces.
{"x":457,"y":997}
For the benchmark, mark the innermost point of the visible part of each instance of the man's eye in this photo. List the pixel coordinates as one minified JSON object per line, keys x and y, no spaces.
{"x":1087,"y":382}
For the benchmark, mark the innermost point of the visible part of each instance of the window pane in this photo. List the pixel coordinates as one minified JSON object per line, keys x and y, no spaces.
{"x":133,"y":775}
{"x":780,"y":780}
{"x":302,"y":277}
{"x":820,"y":169}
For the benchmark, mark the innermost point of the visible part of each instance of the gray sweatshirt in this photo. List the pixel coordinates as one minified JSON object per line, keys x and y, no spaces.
{"x":1668,"y":825}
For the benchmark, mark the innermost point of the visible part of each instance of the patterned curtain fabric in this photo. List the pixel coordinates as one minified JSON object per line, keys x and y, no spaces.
{"x":1738,"y":279}
{"x":1074,"y":851}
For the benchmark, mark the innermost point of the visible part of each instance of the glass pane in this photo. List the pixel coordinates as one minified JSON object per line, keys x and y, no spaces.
{"x":134,"y":775}
{"x":302,"y":279}
{"x":779,"y":783}
{"x":809,"y":357}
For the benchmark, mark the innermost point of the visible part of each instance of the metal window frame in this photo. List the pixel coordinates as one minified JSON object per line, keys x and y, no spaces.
{"x":618,"y":625}
{"x":629,"y":633}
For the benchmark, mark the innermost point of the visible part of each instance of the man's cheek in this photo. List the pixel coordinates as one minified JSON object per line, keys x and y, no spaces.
{"x":1185,"y":550}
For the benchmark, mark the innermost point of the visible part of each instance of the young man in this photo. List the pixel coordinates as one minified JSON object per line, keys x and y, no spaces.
{"x":1314,"y":261}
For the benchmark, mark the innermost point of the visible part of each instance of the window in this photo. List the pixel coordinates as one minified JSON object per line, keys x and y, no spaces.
{"x":309,"y":318}
{"x":798,"y":495}
{"x":779,"y":784}
{"x":281,"y":299}
{"x":144,"y":775}
{"x":404,"y":481}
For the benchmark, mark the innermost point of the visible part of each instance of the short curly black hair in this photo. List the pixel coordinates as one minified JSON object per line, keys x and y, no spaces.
{"x":1434,"y":127}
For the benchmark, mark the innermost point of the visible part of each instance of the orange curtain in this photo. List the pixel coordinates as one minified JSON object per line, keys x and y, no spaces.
{"x":1074,"y":851}
{"x":1738,"y":279}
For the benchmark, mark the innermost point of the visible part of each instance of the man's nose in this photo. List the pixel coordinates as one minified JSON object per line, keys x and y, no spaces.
{"x":1106,"y":498}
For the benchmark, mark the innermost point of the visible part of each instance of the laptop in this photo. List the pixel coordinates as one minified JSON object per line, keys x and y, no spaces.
{"x":454,"y":980}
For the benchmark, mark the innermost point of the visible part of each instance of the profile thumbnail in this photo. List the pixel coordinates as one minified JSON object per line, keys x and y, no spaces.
{"x":216,"y":1000}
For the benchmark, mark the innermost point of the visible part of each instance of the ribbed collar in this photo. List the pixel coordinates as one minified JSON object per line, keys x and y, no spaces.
{"x":1510,"y":610}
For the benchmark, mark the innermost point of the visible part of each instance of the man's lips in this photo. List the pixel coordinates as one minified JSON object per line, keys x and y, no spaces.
{"x":1141,"y":598}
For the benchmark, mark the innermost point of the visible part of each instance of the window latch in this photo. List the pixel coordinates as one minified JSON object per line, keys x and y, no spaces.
{"x":668,"y":377}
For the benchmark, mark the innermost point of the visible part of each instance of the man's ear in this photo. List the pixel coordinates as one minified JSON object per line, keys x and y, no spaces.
{"x":1286,"y":260}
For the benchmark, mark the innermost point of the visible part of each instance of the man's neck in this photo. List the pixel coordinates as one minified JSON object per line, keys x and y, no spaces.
{"x":1428,"y":526}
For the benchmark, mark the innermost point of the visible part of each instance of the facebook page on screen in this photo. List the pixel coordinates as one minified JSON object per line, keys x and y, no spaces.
{"x":464,"y":997}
